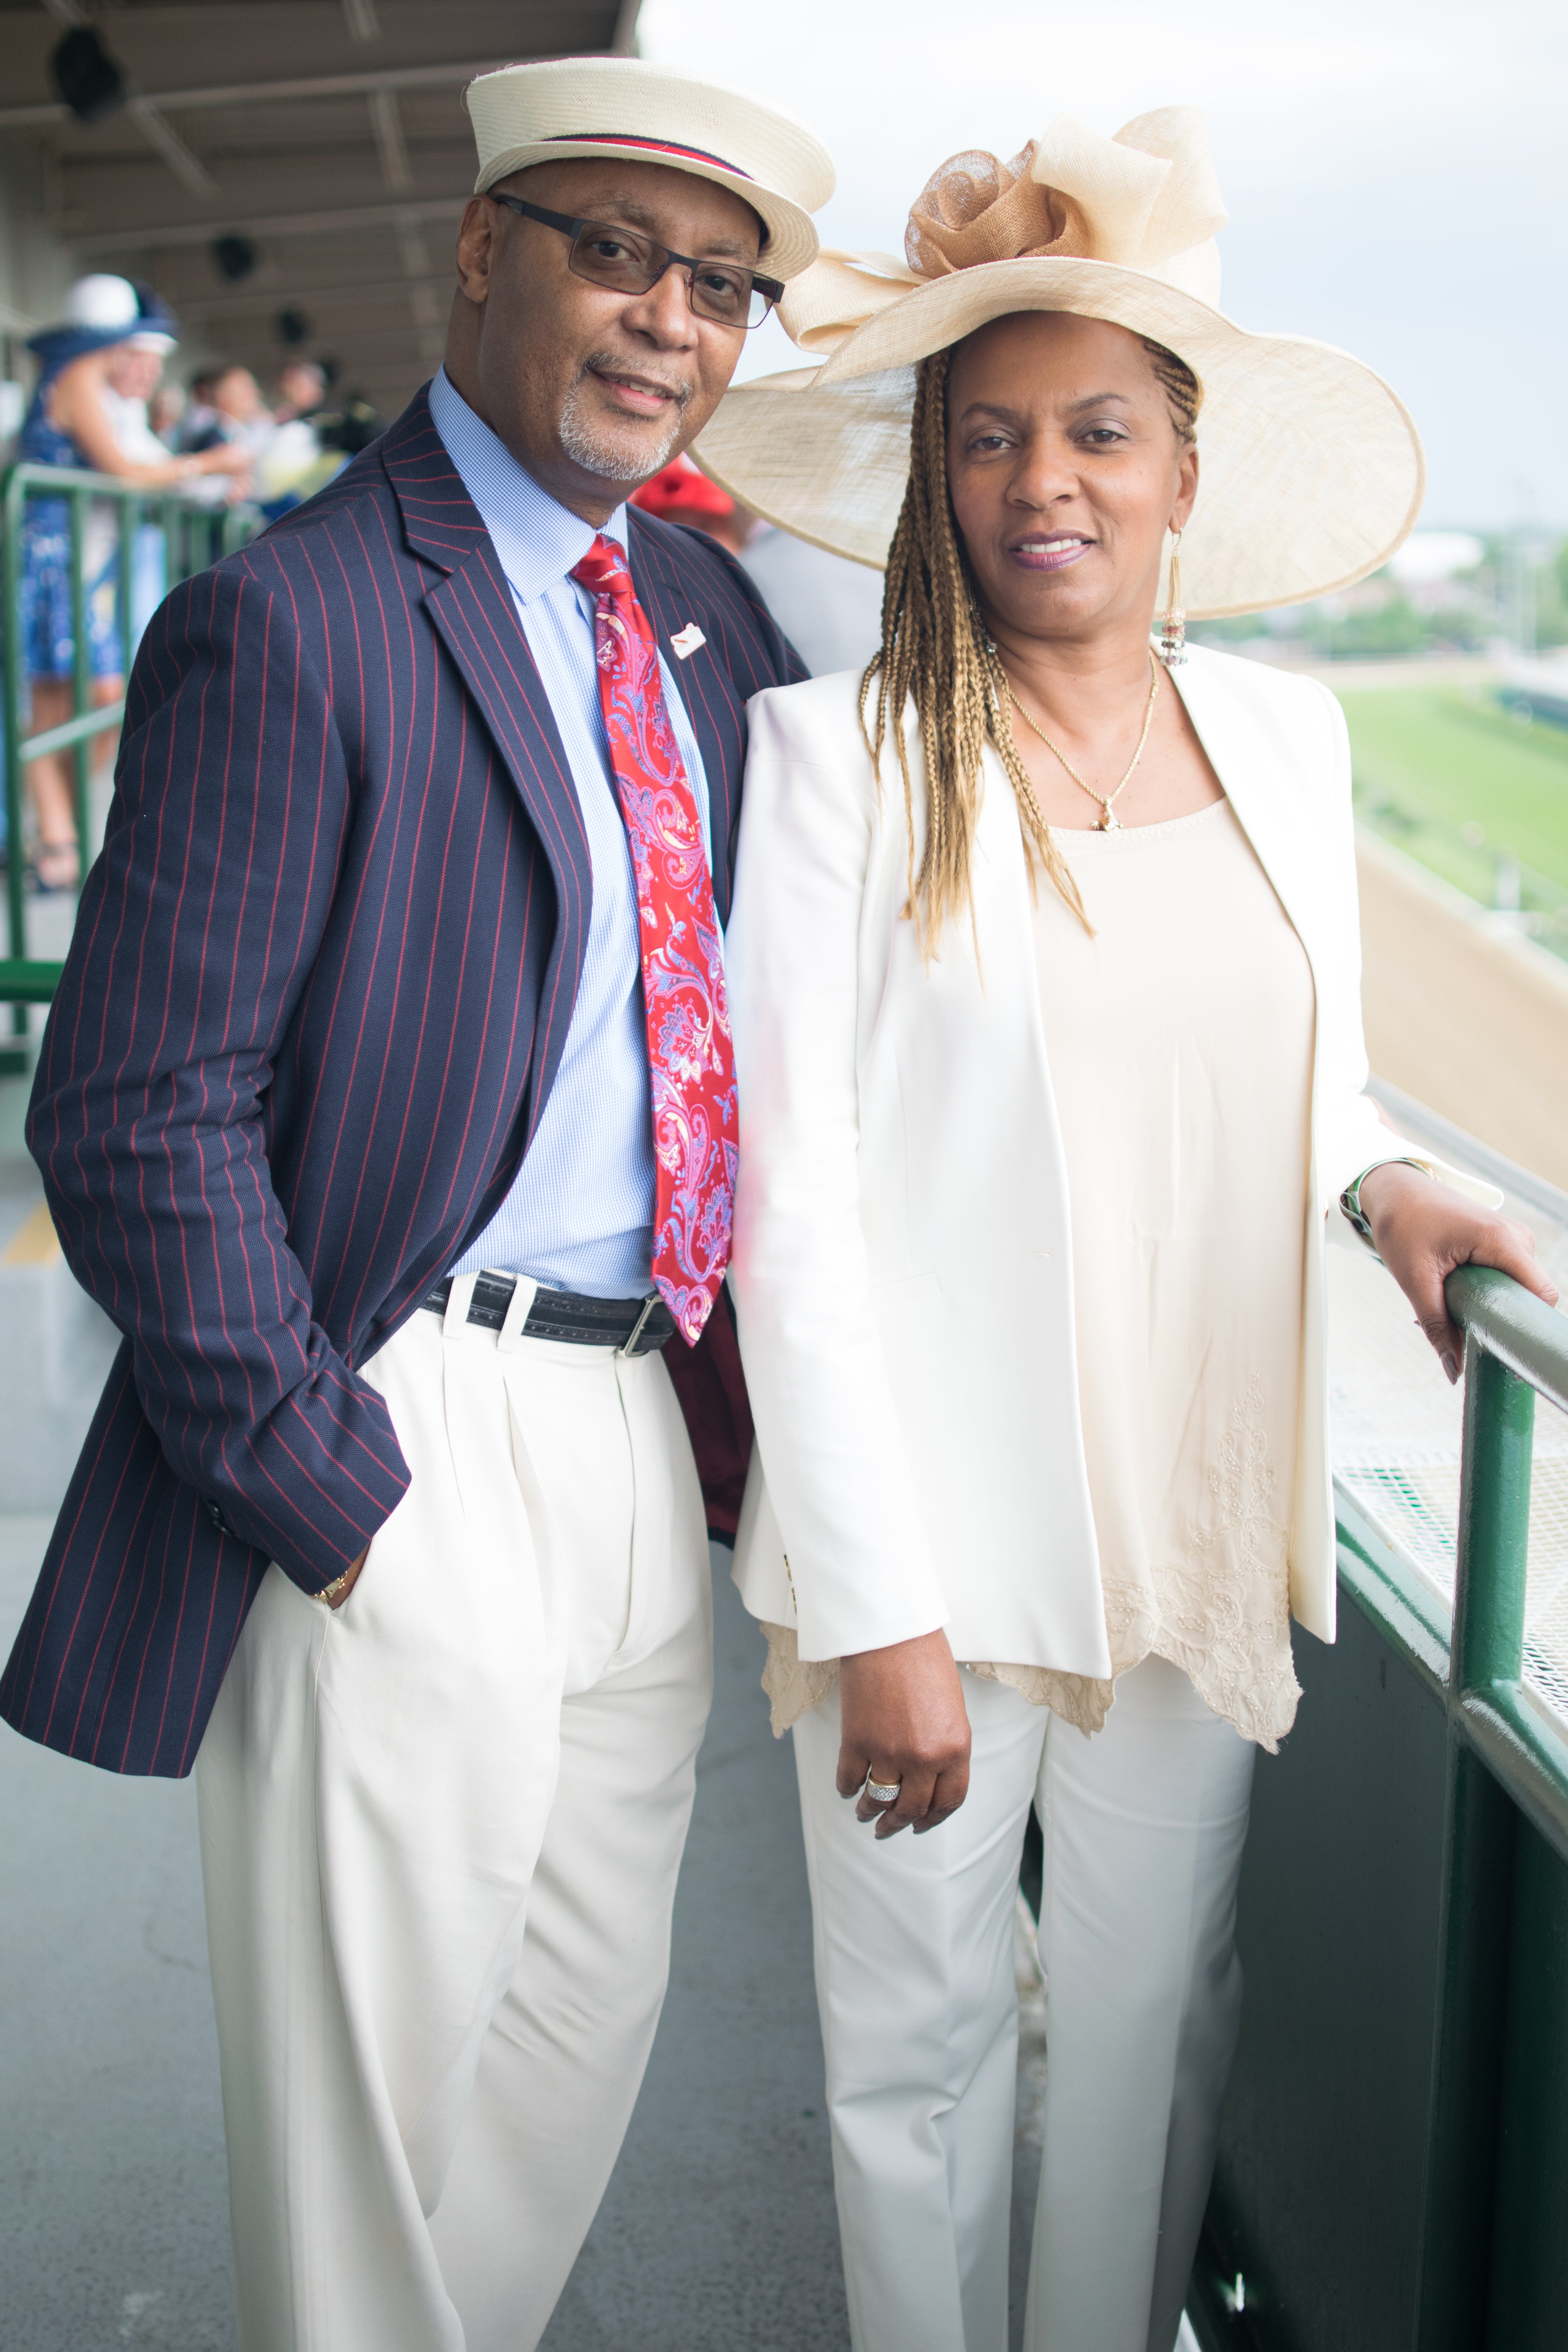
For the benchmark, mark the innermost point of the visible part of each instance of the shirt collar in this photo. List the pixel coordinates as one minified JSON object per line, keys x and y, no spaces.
{"x":537,"y":538}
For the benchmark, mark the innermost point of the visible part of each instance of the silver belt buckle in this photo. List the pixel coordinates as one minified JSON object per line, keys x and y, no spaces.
{"x":628,"y":1345}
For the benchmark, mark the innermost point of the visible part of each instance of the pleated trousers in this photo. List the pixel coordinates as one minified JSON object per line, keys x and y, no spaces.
{"x":1144,"y":1826}
{"x":440,"y":1830}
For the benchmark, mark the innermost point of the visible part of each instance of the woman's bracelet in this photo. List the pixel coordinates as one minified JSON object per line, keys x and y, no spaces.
{"x":1349,"y":1198}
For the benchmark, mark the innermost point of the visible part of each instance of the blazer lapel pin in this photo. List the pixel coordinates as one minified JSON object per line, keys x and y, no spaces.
{"x":686,"y":641}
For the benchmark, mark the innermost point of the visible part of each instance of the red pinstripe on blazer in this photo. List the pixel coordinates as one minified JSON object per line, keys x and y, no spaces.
{"x":321,"y":978}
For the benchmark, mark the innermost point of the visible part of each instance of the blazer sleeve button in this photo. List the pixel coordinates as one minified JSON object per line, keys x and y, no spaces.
{"x":214,"y":1513}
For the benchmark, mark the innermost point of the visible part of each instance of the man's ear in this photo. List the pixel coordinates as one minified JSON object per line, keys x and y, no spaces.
{"x":476,"y":247}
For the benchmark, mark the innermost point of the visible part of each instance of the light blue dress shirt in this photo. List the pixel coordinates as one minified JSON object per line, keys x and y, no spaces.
{"x":580,"y":1215}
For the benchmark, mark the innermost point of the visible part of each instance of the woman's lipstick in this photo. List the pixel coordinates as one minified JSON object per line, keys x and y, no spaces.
{"x":1049,"y":554}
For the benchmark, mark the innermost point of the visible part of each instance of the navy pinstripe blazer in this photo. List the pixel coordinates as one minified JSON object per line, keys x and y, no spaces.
{"x":320,"y":982}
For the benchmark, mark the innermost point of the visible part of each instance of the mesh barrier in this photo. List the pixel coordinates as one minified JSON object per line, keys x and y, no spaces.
{"x":1396,"y":1423}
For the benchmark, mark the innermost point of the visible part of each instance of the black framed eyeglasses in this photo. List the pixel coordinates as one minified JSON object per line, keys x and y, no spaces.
{"x":624,"y":262}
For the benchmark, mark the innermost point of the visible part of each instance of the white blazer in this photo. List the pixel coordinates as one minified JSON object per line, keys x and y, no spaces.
{"x":902,"y":1265}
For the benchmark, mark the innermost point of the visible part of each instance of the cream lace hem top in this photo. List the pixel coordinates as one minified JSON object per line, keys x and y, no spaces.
{"x":1180,"y":1043}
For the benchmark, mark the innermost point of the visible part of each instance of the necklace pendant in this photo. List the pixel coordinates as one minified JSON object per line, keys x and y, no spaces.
{"x":1108,"y":821}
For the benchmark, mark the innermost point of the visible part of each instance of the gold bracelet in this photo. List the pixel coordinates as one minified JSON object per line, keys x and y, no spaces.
{"x":329,"y":1592}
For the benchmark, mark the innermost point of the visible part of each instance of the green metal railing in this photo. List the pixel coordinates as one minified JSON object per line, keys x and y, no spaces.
{"x":1505,"y":1756}
{"x":1393,"y":2169}
{"x":194,"y":536}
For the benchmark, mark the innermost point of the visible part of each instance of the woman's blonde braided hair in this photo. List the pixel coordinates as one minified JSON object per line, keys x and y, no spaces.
{"x":937,"y":654}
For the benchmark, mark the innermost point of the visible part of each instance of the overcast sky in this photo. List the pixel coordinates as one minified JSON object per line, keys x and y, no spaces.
{"x":1396,"y":172}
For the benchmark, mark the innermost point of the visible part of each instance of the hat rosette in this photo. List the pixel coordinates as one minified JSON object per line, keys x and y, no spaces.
{"x":1311,"y":471}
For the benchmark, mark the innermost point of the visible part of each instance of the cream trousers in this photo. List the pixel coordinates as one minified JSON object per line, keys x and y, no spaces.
{"x":1144,"y":1826}
{"x":440,"y":1830}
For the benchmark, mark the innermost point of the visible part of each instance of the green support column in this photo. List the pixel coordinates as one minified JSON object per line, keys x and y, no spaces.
{"x":81,"y":666}
{"x":13,"y":1057}
{"x":1494,"y":1525}
{"x":1482,"y":1826}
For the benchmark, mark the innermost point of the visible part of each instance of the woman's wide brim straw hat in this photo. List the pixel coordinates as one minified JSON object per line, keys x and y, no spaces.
{"x":596,"y":107}
{"x":1310,"y":469}
{"x":102,"y":310}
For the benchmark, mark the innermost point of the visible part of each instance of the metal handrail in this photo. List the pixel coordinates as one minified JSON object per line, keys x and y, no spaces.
{"x":1515,"y":1349}
{"x":195,"y":535}
{"x":1506,"y":1759}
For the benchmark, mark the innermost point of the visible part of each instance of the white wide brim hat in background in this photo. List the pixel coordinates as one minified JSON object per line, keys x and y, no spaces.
{"x":1310,"y":469}
{"x":591,"y":107}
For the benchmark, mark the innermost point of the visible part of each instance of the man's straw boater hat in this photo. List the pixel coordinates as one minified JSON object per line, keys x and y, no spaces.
{"x":619,"y":106}
{"x":1310,"y":470}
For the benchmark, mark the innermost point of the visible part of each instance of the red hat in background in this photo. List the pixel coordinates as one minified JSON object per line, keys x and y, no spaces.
{"x":680,"y":490}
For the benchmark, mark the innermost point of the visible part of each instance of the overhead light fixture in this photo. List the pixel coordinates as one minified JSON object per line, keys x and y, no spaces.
{"x":292,"y":328}
{"x":234,"y":256}
{"x":87,"y":77}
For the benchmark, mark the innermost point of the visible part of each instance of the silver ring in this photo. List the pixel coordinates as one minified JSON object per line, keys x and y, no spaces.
{"x":882,"y":1792}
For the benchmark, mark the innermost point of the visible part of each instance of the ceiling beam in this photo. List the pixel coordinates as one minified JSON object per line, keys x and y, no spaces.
{"x":323,"y":223}
{"x":363,"y":21}
{"x":396,"y":171}
{"x":185,"y":166}
{"x":268,"y":93}
{"x":280,"y":296}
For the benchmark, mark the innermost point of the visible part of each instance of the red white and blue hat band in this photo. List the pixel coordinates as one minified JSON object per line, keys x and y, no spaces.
{"x":646,"y":147}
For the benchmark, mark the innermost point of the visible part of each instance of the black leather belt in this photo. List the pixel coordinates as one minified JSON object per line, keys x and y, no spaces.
{"x":635,"y":1326}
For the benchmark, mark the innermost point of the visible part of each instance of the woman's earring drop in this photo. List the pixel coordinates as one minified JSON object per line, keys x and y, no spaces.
{"x":1174,"y":627}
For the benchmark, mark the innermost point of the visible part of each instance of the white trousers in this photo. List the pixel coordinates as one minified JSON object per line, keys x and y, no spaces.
{"x":440,"y":1830}
{"x":1144,"y":1826}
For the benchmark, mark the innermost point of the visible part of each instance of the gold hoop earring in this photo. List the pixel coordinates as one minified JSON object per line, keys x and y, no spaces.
{"x":1174,"y":627}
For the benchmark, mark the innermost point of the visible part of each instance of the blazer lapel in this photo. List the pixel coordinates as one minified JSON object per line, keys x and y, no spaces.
{"x":471,"y":608}
{"x":1246,"y":758}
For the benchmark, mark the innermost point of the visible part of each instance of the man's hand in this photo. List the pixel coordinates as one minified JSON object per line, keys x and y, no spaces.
{"x":1423,"y":1231}
{"x":336,"y":1594}
{"x":903,"y":1719}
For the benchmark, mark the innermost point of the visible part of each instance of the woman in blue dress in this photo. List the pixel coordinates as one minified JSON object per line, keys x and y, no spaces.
{"x":70,"y":425}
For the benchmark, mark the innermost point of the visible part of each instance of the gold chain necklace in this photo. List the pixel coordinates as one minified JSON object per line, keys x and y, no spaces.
{"x":1109,"y":820}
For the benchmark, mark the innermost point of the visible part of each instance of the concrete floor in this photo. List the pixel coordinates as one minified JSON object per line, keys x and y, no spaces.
{"x":719,"y":2230}
{"x":113,"y":2217}
{"x":718,"y":2233}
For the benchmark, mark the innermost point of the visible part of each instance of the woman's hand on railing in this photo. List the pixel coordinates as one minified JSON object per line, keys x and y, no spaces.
{"x":1421,"y":1231}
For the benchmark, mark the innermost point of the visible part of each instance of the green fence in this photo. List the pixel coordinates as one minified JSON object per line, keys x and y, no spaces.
{"x":193,"y":536}
{"x":1394,"y":2167}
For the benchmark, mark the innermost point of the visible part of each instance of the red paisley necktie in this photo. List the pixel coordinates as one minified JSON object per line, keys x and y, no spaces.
{"x":690,"y":1056}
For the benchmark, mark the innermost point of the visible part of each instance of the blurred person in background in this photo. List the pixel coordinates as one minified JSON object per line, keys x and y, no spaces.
{"x":300,"y":390}
{"x":165,"y":413}
{"x":243,"y":418}
{"x":828,"y":608}
{"x":1044,"y":976}
{"x":681,"y":494}
{"x":199,"y":428}
{"x":233,"y":416}
{"x":74,"y":422}
{"x":349,"y":423}
{"x":130,"y":386}
{"x":227,"y":408}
